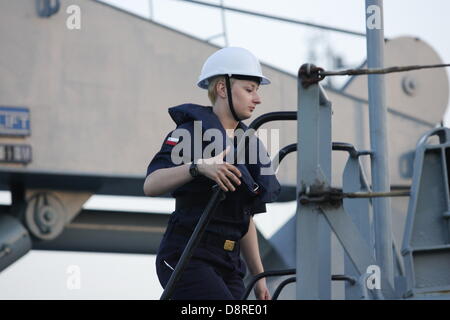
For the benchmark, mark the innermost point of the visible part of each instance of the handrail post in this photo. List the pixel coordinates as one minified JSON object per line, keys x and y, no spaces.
{"x":313,"y":234}
{"x":378,"y":139}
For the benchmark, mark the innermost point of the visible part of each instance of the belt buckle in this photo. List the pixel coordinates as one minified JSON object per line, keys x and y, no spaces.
{"x":228,"y":245}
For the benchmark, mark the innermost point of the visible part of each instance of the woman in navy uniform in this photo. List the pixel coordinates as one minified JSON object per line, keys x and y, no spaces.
{"x":232,"y":76}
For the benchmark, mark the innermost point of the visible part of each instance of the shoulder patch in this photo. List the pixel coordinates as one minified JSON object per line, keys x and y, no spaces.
{"x":172,"y":141}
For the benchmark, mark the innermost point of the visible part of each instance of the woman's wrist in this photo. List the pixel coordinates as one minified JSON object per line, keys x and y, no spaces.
{"x":258,"y":272}
{"x":200,"y":166}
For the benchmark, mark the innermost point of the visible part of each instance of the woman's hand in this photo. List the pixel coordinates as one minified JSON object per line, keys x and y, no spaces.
{"x":223,"y":173}
{"x":261,"y":291}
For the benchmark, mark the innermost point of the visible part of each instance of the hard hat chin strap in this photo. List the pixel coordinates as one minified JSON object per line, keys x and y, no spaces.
{"x":230,"y":100}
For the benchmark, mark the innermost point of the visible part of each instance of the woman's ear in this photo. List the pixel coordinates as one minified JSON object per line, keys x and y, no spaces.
{"x":220,"y":89}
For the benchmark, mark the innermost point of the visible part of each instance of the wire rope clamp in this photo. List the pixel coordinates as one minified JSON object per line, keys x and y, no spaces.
{"x":310,"y":74}
{"x":321,"y":194}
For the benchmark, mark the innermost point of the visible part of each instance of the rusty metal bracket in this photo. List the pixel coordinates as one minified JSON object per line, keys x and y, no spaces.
{"x":310,"y":74}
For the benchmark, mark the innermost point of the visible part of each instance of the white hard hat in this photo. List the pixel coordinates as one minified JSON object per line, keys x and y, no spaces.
{"x":231,"y":61}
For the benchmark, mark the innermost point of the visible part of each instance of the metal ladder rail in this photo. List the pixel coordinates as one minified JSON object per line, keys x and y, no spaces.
{"x":286,"y":272}
{"x":353,"y":152}
{"x":336,"y":146}
{"x":281,"y":286}
{"x":266,"y":274}
{"x":335,"y":277}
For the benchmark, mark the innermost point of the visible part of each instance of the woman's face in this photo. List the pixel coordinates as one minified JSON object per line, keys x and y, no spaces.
{"x":245,"y":97}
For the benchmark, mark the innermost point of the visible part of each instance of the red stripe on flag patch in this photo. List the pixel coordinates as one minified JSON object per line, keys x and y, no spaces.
{"x":172,"y":141}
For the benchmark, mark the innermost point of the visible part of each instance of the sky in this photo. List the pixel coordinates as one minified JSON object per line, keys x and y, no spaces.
{"x":287,"y":46}
{"x":46,"y":274}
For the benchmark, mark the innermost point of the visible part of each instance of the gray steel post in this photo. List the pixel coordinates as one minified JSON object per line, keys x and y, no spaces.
{"x":224,"y":26}
{"x":313,"y":168}
{"x":150,"y":10}
{"x":359,"y":211}
{"x":325,"y":143}
{"x":378,"y":138}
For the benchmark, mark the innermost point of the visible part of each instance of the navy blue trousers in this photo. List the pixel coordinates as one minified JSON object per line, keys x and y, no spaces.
{"x":211,"y":274}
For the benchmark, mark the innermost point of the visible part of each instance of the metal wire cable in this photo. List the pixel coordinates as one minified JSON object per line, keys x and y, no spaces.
{"x":311,"y":74}
{"x":355,"y":72}
{"x":272,"y":17}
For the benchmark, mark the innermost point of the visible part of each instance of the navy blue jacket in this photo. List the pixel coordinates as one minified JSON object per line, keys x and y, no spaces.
{"x":256,"y":189}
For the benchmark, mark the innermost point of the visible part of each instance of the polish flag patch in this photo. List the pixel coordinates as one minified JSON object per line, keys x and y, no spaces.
{"x":172,"y":141}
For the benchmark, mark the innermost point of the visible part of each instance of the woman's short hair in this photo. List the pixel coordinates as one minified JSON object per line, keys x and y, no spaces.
{"x":212,"y":94}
